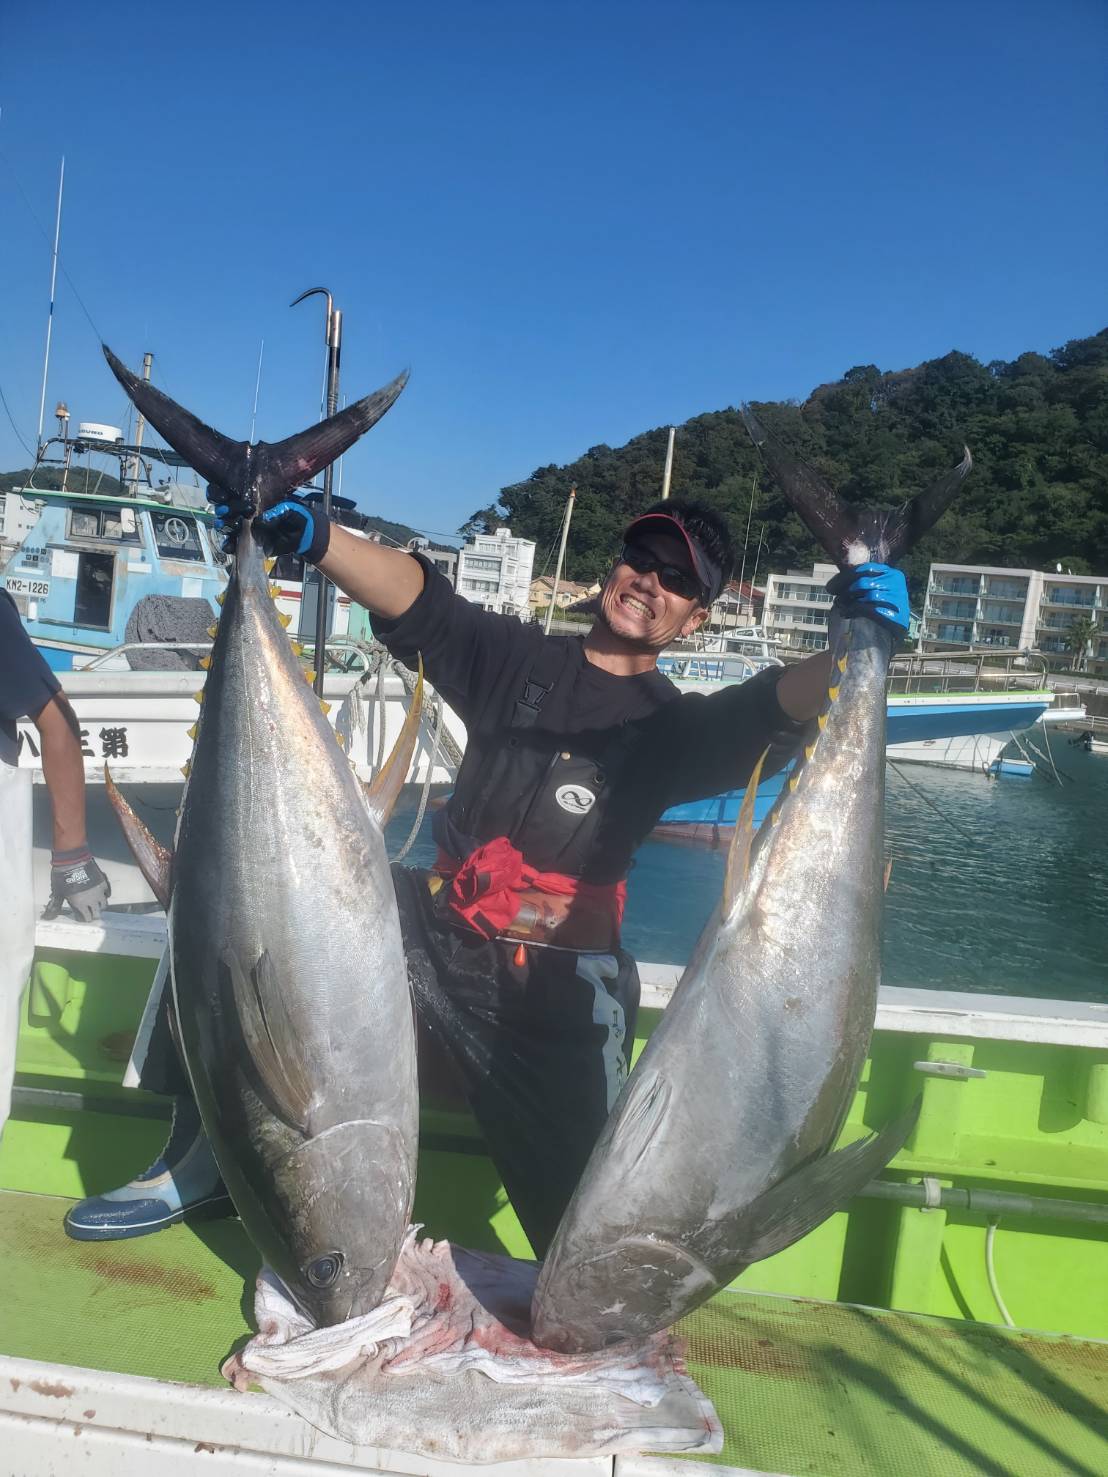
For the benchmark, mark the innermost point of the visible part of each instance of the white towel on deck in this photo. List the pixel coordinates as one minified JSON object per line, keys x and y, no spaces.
{"x":442,"y":1368}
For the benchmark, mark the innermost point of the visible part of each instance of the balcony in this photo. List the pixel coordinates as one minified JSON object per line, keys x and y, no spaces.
{"x":1005,"y":592}
{"x":1001,"y":616}
{"x":955,"y":587}
{"x":1072,"y":599}
{"x":965,"y":611}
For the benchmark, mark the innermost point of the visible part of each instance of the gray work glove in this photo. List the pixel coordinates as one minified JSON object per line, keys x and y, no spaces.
{"x":76,"y":879}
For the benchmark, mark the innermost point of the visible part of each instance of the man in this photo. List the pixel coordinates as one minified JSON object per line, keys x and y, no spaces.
{"x":575,"y":748}
{"x":29,"y":689}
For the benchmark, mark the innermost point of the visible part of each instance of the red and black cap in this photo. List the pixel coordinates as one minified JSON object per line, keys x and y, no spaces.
{"x":705,"y":567}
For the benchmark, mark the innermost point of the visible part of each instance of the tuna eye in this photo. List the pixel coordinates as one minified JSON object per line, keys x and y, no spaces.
{"x":325,"y":1269}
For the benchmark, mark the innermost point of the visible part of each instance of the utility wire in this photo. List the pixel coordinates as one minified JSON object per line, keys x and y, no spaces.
{"x":15,"y":428}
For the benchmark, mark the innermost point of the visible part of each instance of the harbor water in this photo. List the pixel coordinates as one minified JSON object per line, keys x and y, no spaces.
{"x":999,"y":886}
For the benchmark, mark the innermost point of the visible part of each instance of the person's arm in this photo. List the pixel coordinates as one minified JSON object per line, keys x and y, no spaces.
{"x":75,"y":877}
{"x":386,"y":581}
{"x":802,"y":689}
{"x":63,"y":769}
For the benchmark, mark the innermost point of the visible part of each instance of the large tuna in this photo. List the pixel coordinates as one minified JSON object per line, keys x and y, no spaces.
{"x":717,"y":1151}
{"x":287,"y":962}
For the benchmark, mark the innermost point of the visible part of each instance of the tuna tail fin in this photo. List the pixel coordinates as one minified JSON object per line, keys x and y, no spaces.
{"x":154,"y":860}
{"x":805,"y":1198}
{"x":853,"y":535}
{"x":267,"y":471}
{"x":385,"y":787}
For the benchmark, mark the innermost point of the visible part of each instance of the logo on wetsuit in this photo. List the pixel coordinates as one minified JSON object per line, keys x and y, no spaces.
{"x":575,"y":798}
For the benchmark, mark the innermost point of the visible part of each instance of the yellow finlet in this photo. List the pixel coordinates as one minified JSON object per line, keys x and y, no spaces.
{"x":841,"y":663}
{"x":794,"y":780}
{"x":213,"y":630}
{"x":309,"y":677}
{"x":297,"y":648}
{"x":286,"y":620}
{"x":219,"y":599}
{"x":186,"y":768}
{"x":275,"y":590}
{"x":325,"y":708}
{"x":341,"y":740}
{"x":822,"y":721}
{"x":205,"y":662}
{"x":193,"y":731}
{"x":198,"y":697}
{"x":811,"y":749}
{"x":269,"y":565}
{"x":833,"y":692}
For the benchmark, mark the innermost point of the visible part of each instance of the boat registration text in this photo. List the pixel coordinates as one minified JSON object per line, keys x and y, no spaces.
{"x":19,"y":586}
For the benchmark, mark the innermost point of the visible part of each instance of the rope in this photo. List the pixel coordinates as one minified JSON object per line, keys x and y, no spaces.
{"x":425,"y":793}
{"x":954,"y":826}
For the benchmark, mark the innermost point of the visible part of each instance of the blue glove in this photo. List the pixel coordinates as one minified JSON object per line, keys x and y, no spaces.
{"x":289,"y":527}
{"x":877,"y":591}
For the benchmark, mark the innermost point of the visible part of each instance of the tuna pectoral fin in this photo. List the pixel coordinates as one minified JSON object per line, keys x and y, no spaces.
{"x":852,"y":535}
{"x":154,"y":860}
{"x":738,"y":858}
{"x":804,"y":1199}
{"x":389,"y":780}
{"x":270,"y":1038}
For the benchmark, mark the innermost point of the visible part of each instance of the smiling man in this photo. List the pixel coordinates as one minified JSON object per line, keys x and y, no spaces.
{"x":576,"y":745}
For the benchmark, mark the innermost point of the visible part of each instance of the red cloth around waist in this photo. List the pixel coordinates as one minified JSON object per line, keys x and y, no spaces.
{"x":486,"y":888}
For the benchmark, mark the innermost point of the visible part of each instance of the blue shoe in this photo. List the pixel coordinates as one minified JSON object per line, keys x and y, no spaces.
{"x":183,"y":1180}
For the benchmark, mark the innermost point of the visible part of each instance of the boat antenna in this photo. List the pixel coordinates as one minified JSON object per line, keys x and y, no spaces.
{"x":333,"y":335}
{"x":561,"y":557}
{"x":257,"y":390}
{"x":50,"y":315}
{"x":746,"y":545}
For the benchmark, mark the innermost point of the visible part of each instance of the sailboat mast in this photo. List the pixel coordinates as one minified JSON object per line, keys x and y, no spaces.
{"x":746,"y":546}
{"x":561,"y":558}
{"x":50,"y":315}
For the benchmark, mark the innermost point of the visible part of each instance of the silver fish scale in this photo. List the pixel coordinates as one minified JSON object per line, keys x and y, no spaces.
{"x":289,"y":974}
{"x":753,"y":1067}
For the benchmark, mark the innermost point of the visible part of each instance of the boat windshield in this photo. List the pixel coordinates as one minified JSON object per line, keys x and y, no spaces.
{"x":176,"y":536}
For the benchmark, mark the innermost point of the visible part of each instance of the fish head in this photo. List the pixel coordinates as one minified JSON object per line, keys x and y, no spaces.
{"x":350,"y":1189}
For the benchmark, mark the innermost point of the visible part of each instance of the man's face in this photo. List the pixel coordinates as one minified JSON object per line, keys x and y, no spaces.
{"x":636,"y":608}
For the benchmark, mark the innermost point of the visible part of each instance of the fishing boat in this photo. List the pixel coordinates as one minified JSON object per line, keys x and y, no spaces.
{"x":952,"y":1319}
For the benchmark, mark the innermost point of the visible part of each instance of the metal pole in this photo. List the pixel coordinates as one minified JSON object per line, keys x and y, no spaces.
{"x":757,"y":560}
{"x":561,"y":557}
{"x":334,"y":355}
{"x":50,"y":315}
{"x":257,"y":389}
{"x":140,"y":428}
{"x":667,"y":474}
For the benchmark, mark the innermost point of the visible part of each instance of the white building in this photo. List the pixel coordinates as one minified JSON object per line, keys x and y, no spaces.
{"x":977,"y":605}
{"x":797,"y":607}
{"x":494,"y":570}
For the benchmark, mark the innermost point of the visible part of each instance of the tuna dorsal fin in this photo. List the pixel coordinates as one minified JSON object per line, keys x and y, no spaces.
{"x":738,"y":858}
{"x":155,"y":860}
{"x":271,"y":1039}
{"x":267,"y":471}
{"x":806,"y":1197}
{"x":853,"y":535}
{"x":384,"y":788}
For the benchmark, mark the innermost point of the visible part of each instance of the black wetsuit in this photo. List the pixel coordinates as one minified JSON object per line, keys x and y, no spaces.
{"x":574,"y":766}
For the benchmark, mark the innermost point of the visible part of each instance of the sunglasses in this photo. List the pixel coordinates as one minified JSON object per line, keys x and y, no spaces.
{"x":671,"y":577}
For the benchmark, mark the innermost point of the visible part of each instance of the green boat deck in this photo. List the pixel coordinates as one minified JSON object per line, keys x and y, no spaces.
{"x":801,"y":1386}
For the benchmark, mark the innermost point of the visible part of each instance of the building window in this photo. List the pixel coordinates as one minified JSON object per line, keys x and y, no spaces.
{"x":105,"y":523}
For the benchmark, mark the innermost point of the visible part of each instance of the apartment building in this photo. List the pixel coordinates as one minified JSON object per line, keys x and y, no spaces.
{"x":494,"y":570}
{"x":978,"y":605}
{"x":797,"y":607}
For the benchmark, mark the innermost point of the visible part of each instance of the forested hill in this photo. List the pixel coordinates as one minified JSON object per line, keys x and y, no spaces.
{"x":1037,"y":496}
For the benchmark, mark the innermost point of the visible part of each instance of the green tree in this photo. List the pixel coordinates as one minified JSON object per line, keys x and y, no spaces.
{"x":1079,"y":633}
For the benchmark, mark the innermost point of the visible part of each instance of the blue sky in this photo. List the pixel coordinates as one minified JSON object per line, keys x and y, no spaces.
{"x":572,"y":221}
